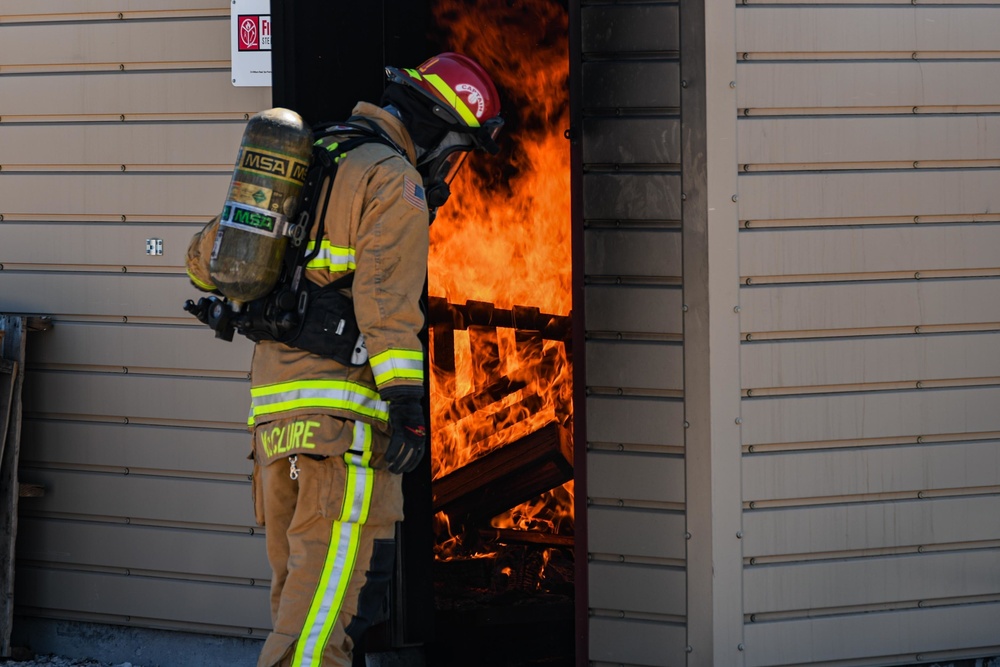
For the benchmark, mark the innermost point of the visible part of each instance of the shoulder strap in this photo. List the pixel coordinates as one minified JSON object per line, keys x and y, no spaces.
{"x":325,"y":162}
{"x":365,"y":129}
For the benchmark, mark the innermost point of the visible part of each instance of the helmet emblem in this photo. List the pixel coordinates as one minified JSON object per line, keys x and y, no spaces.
{"x":474,"y":97}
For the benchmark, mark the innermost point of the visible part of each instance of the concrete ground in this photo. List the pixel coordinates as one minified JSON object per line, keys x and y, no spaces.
{"x":48,"y":643}
{"x":73,"y":644}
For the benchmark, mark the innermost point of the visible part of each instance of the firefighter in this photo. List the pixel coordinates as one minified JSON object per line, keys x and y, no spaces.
{"x":331,"y":440}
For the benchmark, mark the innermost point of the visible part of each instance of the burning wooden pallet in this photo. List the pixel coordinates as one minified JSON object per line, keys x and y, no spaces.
{"x":502,"y":403}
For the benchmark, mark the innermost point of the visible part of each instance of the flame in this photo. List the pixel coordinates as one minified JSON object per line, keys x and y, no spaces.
{"x":504,"y":238}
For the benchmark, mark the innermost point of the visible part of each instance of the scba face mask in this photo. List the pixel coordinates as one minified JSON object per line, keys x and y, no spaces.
{"x":440,"y":165}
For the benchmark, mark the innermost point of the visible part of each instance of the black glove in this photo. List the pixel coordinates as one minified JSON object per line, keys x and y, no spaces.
{"x":408,"y":440}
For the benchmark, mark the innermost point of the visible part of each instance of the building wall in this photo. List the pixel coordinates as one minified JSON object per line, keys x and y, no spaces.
{"x":868,"y":469}
{"x":119,"y":124}
{"x":864,"y":478}
{"x":631,"y":212}
{"x":867,"y":154}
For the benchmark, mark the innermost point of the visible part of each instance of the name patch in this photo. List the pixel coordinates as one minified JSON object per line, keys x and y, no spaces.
{"x":287,"y":438}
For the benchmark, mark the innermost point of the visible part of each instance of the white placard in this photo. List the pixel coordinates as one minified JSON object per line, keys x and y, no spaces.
{"x":250,"y":40}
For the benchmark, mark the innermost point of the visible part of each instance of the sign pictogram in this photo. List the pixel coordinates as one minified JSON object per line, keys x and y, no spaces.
{"x":250,"y":42}
{"x":253,"y":32}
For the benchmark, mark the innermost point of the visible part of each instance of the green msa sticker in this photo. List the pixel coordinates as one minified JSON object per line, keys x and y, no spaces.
{"x":252,"y":219}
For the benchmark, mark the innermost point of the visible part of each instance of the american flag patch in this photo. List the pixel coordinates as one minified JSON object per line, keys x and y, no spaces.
{"x":414,"y":194}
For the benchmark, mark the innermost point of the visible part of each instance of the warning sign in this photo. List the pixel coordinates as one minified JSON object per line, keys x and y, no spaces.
{"x":254,"y":32}
{"x":251,"y":42}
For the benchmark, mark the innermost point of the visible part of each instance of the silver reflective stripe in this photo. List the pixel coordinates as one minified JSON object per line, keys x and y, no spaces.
{"x":397,"y":364}
{"x":330,"y":595}
{"x":334,"y":258}
{"x":333,"y":394}
{"x":342,"y":554}
{"x":358,"y":473}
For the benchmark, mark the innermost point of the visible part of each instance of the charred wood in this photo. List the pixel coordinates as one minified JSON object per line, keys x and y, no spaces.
{"x":504,"y":478}
{"x":485,"y":349}
{"x":526,"y":537}
{"x":474,"y":402}
{"x":483,"y":313}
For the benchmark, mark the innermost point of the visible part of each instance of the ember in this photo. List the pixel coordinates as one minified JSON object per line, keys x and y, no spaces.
{"x":499,"y":281}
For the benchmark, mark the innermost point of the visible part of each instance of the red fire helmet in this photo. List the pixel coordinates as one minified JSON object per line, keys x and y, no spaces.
{"x":456,"y":82}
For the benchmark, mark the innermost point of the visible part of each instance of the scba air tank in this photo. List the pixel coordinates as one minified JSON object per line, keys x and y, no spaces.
{"x":265,"y":192}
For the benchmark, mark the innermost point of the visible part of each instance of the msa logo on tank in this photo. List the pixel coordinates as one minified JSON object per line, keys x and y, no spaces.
{"x":252,"y":219}
{"x":275,"y":165}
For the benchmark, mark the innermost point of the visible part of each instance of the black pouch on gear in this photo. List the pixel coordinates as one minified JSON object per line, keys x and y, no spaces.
{"x":329,"y":327}
{"x":268,"y":318}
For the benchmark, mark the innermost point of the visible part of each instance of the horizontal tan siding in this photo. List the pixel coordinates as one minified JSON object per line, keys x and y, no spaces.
{"x":164,"y":348}
{"x":815,"y":27}
{"x":120,"y":126}
{"x":136,"y":448}
{"x":767,"y":142}
{"x":127,"y":599}
{"x":138,"y":395}
{"x":638,"y":477}
{"x":616,"y":641}
{"x":884,"y":362}
{"x":160,"y":91}
{"x":630,"y":421}
{"x":869,"y":314}
{"x":899,"y":637}
{"x":851,"y":529}
{"x":638,"y":365}
{"x":906,"y":83}
{"x":222,"y":555}
{"x":914,"y":192}
{"x":632,"y":303}
{"x":642,"y":533}
{"x":630,"y":309}
{"x":71,"y":10}
{"x":916,"y":470}
{"x":117,"y":296}
{"x":900,"y":581}
{"x":850,"y":252}
{"x":116,"y":194}
{"x":98,"y":145}
{"x":870,"y":305}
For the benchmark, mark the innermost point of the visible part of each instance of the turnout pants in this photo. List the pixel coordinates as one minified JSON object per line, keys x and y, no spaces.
{"x":330,"y":523}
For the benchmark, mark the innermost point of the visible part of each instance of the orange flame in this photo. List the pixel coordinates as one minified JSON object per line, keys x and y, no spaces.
{"x":504,"y":238}
{"x":511,"y":235}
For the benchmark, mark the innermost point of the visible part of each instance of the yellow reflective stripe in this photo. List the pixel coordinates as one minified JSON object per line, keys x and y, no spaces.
{"x":397,"y":365}
{"x":340,"y":560}
{"x":331,"y":257}
{"x":453,"y":99}
{"x":342,"y":554}
{"x":200,"y":284}
{"x":330,"y":394}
